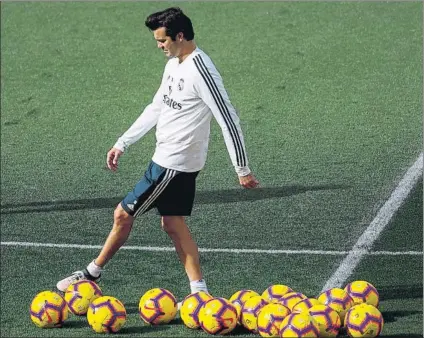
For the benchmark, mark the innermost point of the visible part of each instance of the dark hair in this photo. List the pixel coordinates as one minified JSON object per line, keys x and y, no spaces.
{"x":174,"y":21}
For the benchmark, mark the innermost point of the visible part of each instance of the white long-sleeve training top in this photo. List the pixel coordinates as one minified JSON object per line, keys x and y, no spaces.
{"x":190,"y":93}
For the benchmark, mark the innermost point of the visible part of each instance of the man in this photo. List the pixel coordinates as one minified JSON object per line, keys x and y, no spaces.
{"x":191,"y":93}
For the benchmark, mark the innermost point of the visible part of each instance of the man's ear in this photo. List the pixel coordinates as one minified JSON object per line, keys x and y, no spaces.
{"x":180,"y":36}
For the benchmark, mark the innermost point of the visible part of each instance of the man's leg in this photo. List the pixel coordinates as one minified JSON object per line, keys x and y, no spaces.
{"x":141,"y":199}
{"x":186,"y":248}
{"x":136,"y":202}
{"x":122,"y":224}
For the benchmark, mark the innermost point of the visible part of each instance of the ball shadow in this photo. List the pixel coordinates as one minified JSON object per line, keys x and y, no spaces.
{"x":131,"y":308}
{"x":140,"y":329}
{"x":241,"y":331}
{"x":392,"y":316}
{"x":72,"y":324}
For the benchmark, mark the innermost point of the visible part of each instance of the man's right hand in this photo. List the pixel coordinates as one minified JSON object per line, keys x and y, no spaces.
{"x":112,"y":158}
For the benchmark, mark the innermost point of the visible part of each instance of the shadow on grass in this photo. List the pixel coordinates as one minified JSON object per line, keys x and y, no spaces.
{"x":406,"y":335}
{"x":74,"y":324}
{"x":131,"y":308}
{"x":343,"y":334}
{"x":241,"y":331}
{"x":401,"y":292}
{"x":142,"y":329}
{"x":202,"y":197}
{"x":392,"y":316}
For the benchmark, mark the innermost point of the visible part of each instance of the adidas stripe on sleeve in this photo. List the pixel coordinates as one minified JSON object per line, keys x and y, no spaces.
{"x":212,"y":91}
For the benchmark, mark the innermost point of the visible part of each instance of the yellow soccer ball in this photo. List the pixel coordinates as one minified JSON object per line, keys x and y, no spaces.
{"x":239,"y":298}
{"x":290,"y":299}
{"x":305,"y":305}
{"x":48,"y":309}
{"x":363,"y":292}
{"x":157,"y":306}
{"x":327,"y":319}
{"x":190,"y":308}
{"x":218,"y":316}
{"x":274,"y":292}
{"x":238,"y":310}
{"x":270,"y":318}
{"x":250,"y":311}
{"x":297,"y":325}
{"x":338,"y":299}
{"x":364,"y":320}
{"x":80,"y":294}
{"x":242,"y":295}
{"x":106,"y":314}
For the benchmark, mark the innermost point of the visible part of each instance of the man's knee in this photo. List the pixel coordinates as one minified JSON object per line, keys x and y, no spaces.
{"x":171,"y":223}
{"x":121,"y":217}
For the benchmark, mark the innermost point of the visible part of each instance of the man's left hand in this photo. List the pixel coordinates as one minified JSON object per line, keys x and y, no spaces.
{"x":248,"y":181}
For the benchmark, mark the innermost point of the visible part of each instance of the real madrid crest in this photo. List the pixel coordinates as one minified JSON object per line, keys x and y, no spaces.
{"x":181,"y":85}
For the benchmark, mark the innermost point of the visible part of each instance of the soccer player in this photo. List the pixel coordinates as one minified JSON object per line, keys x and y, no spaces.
{"x":191,"y":92}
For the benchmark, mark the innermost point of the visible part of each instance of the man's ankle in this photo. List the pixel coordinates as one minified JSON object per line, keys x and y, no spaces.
{"x":94,"y":270}
{"x":198,"y":285}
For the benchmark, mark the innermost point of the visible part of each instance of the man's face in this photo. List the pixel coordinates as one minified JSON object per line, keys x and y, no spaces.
{"x":169,"y":47}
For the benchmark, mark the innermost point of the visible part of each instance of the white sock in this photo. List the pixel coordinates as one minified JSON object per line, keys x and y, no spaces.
{"x":198,"y":285}
{"x":94,"y":269}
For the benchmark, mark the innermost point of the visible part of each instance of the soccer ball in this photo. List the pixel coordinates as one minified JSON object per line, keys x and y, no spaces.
{"x":238,"y":310}
{"x":48,"y":309}
{"x":274,"y":292}
{"x":338,"y":299}
{"x":364,"y":320}
{"x":239,"y":298}
{"x":106,"y":314}
{"x":218,"y":316}
{"x":363,"y":292}
{"x":80,"y":294}
{"x":250,"y":311}
{"x":157,"y":306}
{"x":190,"y":308}
{"x":305,"y":305}
{"x":290,"y":299}
{"x":270,"y":318}
{"x":242,"y":295}
{"x":327,"y":319}
{"x":299,"y":325}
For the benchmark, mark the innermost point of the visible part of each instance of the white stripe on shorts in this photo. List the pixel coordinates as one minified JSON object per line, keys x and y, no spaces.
{"x":169,"y":175}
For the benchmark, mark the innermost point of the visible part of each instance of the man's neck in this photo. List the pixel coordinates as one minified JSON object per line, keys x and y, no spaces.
{"x":187,"y":50}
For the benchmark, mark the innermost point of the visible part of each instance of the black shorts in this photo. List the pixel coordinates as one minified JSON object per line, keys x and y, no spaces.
{"x":170,"y":191}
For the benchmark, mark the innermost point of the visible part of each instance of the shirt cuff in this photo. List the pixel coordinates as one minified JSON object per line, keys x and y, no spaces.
{"x":120,"y":145}
{"x":242,"y":171}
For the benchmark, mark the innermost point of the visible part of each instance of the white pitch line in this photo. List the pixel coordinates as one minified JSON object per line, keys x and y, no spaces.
{"x":370,"y":235}
{"x":223,"y":250}
{"x":395,"y":253}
